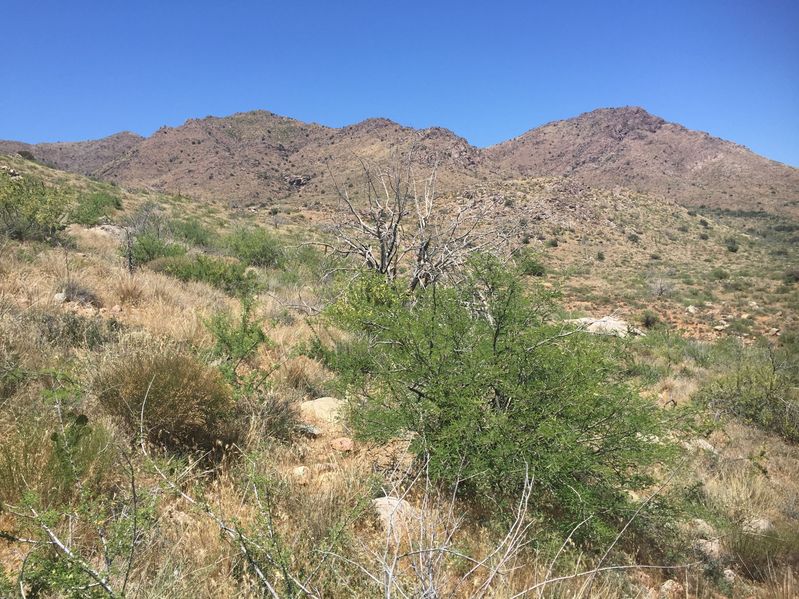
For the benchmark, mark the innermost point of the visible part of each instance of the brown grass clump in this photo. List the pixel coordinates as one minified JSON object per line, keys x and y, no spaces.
{"x":180,"y":402}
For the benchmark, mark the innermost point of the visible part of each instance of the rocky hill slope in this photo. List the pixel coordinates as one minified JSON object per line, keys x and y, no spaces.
{"x":628,"y":147}
{"x":257,"y":158}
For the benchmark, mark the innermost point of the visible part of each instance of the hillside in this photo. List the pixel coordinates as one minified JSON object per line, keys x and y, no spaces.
{"x":631,"y":148}
{"x":82,"y":157}
{"x":259,"y":158}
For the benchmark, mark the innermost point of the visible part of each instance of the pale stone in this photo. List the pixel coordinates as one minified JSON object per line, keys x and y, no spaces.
{"x":342,"y":444}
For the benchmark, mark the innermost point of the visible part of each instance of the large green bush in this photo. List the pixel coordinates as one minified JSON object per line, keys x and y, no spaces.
{"x":92,"y":208}
{"x":29,"y":209}
{"x":149,"y":246}
{"x":760,"y":385}
{"x":228,"y":275}
{"x":492,"y":390}
{"x":255,"y":246}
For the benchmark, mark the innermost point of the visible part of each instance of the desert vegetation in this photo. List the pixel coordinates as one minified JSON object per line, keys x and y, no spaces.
{"x":398,"y":401}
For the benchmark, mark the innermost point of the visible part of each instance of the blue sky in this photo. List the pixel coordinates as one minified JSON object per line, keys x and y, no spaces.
{"x":487,"y":70}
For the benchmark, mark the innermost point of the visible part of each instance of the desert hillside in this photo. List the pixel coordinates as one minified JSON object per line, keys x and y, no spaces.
{"x":256,"y":158}
{"x":629,"y":147}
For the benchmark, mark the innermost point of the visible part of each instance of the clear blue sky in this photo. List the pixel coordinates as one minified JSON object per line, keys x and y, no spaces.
{"x":487,"y":70}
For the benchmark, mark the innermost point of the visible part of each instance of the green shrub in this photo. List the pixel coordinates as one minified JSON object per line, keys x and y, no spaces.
{"x":650,"y":319}
{"x":91,"y":208}
{"x":182,"y":403}
{"x":633,"y":237}
{"x":255,"y":247}
{"x":719,"y":274}
{"x":759,"y":385}
{"x":530,"y":264}
{"x":194,"y":232}
{"x":704,"y":236}
{"x":551,"y":243}
{"x":731,"y":244}
{"x":600,"y":256}
{"x":149,"y":246}
{"x":29,"y":209}
{"x":492,"y":391}
{"x":230,"y":276}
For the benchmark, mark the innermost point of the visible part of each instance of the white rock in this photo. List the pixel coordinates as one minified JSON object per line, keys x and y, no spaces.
{"x":394,"y":514}
{"x":607,"y":325}
{"x":671,"y":589}
{"x":692,"y":309}
{"x":757,"y":525}
{"x":60,"y":298}
{"x":325,"y":410}
{"x":709,"y":548}
{"x":729,"y":575}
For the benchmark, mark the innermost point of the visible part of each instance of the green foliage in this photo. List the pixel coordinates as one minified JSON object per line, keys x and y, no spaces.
{"x":759,"y":385}
{"x":149,"y":246}
{"x":192,"y":231}
{"x":650,"y":319}
{"x":227,"y":275}
{"x":633,"y":237}
{"x":236,"y":342}
{"x":29,"y":209}
{"x":530,"y":264}
{"x":493,"y":391}
{"x":719,"y":274}
{"x":92,"y":208}
{"x":255,"y":246}
{"x":180,"y":402}
{"x":731,"y":244}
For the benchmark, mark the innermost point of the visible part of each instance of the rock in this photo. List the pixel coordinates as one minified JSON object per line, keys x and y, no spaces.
{"x":729,"y":575}
{"x":757,"y":526}
{"x":342,"y":444}
{"x":116,"y":309}
{"x":394,"y":513}
{"x":309,"y":430}
{"x":721,"y":327}
{"x":297,"y":181}
{"x":701,"y":445}
{"x":691,"y":309}
{"x":114,"y":231}
{"x":301,"y":474}
{"x":325,"y":410}
{"x":60,"y":298}
{"x":710,"y":549}
{"x":671,"y":589}
{"x":700,"y":528}
{"x":774,"y":332}
{"x":607,"y":325}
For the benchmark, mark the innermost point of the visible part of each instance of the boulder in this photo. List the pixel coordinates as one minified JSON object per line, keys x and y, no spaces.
{"x":325,"y":410}
{"x":757,"y":526}
{"x":607,"y":325}
{"x":342,"y":444}
{"x":671,"y":589}
{"x":394,"y":514}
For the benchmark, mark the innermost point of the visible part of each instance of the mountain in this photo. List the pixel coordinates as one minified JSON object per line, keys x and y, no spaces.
{"x":628,"y":147}
{"x":256,"y":158}
{"x":83,"y":157}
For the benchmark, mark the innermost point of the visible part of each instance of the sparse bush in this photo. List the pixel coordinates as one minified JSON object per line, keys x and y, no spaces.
{"x":490,"y":390}
{"x":91,"y":208}
{"x":75,"y":292}
{"x":719,"y":274}
{"x":230,"y":276}
{"x":704,"y":236}
{"x":552,"y":243}
{"x":600,"y":256}
{"x":791,"y":275}
{"x":704,"y":223}
{"x":650,"y":319}
{"x":255,"y":247}
{"x":633,"y":237}
{"x":181,"y":403}
{"x":731,"y":244}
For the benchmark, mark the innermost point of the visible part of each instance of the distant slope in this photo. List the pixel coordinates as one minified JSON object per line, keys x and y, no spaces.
{"x":631,"y":148}
{"x":256,"y":157}
{"x":83,"y":157}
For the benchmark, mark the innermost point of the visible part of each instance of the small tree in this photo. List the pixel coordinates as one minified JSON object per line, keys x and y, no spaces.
{"x":490,"y":387}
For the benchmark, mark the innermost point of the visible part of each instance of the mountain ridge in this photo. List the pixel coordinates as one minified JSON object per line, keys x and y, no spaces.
{"x":256,"y":156}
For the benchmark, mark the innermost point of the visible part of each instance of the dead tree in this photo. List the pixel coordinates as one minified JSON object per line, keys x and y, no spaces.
{"x":401,"y":226}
